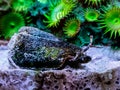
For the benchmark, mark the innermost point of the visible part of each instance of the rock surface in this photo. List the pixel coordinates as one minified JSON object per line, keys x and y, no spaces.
{"x":101,"y":73}
{"x":14,"y":79}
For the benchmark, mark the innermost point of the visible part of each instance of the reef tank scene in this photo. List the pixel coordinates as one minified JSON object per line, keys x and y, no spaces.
{"x":59,"y":44}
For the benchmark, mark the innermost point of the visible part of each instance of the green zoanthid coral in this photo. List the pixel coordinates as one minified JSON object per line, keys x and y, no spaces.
{"x":21,"y":5}
{"x":58,"y":10}
{"x":93,"y":2}
{"x":72,"y":27}
{"x":111,"y":21}
{"x":68,"y":19}
{"x":91,"y":14}
{"x":10,"y":24}
{"x":43,"y":1}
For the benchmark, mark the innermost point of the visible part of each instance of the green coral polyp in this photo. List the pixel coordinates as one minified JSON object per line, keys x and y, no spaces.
{"x":10,"y":23}
{"x":58,"y":12}
{"x":72,"y":27}
{"x":91,"y":15}
{"x":111,"y":21}
{"x":93,"y":2}
{"x":21,"y":5}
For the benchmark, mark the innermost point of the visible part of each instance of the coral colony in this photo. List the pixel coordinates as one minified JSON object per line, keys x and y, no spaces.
{"x":91,"y":15}
{"x":21,"y":5}
{"x":10,"y":23}
{"x":111,"y":21}
{"x":93,"y":2}
{"x":66,"y":19}
{"x":58,"y":11}
{"x":71,"y":27}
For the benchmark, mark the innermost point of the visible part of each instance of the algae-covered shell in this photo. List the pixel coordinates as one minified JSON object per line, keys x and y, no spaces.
{"x":33,"y":48}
